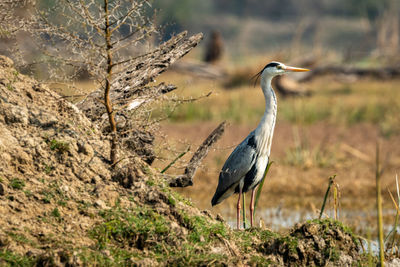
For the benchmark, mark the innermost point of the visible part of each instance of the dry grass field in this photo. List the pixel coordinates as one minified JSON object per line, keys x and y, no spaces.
{"x":332,"y":132}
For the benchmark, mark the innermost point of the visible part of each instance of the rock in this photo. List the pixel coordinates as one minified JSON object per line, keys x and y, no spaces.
{"x":22,"y":157}
{"x":43,"y":119}
{"x":6,"y":157}
{"x":65,"y":188}
{"x":2,"y":191}
{"x":100,"y":203}
{"x":6,"y":62}
{"x":4,"y":240}
{"x":85,"y":148}
{"x":16,"y":114}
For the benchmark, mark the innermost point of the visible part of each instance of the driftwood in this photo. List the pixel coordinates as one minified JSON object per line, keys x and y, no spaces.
{"x":286,"y":87}
{"x":378,"y":73}
{"x":199,"y":69}
{"x":143,"y":70}
{"x":186,"y":179}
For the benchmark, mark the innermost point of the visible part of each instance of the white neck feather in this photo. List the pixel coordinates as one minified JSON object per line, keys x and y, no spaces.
{"x":266,"y":126}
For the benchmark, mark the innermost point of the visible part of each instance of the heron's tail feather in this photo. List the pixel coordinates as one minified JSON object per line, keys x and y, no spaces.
{"x":215,"y":200}
{"x":222,"y":194}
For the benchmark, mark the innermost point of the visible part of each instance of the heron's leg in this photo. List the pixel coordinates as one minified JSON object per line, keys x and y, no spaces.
{"x":238,"y":209}
{"x":252,"y":206}
{"x":244,"y":209}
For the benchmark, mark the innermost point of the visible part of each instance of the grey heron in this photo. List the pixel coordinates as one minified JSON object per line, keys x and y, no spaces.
{"x":244,"y":168}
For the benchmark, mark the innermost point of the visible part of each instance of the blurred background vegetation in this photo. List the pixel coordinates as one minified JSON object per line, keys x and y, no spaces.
{"x":353,"y":28}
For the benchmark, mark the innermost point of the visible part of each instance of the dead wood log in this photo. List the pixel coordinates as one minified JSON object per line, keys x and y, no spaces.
{"x":286,"y":87}
{"x":377,"y":73}
{"x":140,"y":72}
{"x":186,"y":179}
{"x":199,"y":69}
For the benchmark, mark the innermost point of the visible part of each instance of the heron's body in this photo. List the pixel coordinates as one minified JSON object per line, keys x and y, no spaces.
{"x":247,"y":163}
{"x":244,"y":168}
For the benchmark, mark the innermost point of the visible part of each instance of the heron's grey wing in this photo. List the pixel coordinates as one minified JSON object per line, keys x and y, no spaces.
{"x":235,"y":168}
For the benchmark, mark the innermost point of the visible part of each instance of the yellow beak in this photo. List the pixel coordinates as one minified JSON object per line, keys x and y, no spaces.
{"x":287,"y":68}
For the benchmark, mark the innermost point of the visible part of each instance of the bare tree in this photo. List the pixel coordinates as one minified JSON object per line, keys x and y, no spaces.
{"x":102,"y":37}
{"x":8,"y":13}
{"x":110,"y":40}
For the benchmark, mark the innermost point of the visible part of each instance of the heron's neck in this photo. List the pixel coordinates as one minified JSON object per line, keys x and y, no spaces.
{"x":267,"y":124}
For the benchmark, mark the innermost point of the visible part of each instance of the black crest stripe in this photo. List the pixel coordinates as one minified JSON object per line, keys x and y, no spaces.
{"x":272,"y":64}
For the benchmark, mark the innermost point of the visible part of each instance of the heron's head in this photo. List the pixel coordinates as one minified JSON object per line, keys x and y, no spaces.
{"x":276,"y":68}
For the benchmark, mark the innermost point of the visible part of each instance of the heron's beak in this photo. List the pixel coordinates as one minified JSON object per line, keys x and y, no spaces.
{"x":287,"y":68}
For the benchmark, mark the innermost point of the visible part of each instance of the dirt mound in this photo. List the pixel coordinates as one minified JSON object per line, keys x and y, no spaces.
{"x":315,"y":243}
{"x":52,"y":166}
{"x":59,"y":201}
{"x":60,"y":204}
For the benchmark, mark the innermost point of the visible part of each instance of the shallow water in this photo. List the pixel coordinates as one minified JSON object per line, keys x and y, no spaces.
{"x":278,"y":219}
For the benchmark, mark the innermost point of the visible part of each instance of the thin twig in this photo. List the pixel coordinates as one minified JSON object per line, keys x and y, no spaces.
{"x":393,"y":232}
{"x":259,"y":188}
{"x":187,"y":178}
{"x":379,"y":208}
{"x":175,"y":160}
{"x":326,"y":195}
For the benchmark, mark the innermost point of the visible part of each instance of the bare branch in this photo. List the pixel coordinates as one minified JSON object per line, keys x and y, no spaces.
{"x":121,"y":21}
{"x":187,"y":178}
{"x":90,"y":19}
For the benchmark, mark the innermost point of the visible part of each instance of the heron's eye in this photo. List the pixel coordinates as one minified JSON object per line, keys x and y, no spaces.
{"x":279,"y":67}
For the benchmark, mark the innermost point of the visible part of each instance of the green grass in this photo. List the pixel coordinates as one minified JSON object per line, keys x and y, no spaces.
{"x":244,"y":239}
{"x":9,"y":258}
{"x":20,"y":238}
{"x":144,"y":229}
{"x":131,"y":228}
{"x":257,"y":260}
{"x":290,"y":242}
{"x":120,"y":257}
{"x":47,"y":196}
{"x":56,"y":213}
{"x":59,"y":146}
{"x":203,"y":232}
{"x":17,"y":184}
{"x":62,"y":203}
{"x":48,"y":168}
{"x":27,"y":193}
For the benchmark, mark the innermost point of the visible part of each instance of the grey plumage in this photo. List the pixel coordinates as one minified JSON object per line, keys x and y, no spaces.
{"x":244,"y":168}
{"x":238,"y":164}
